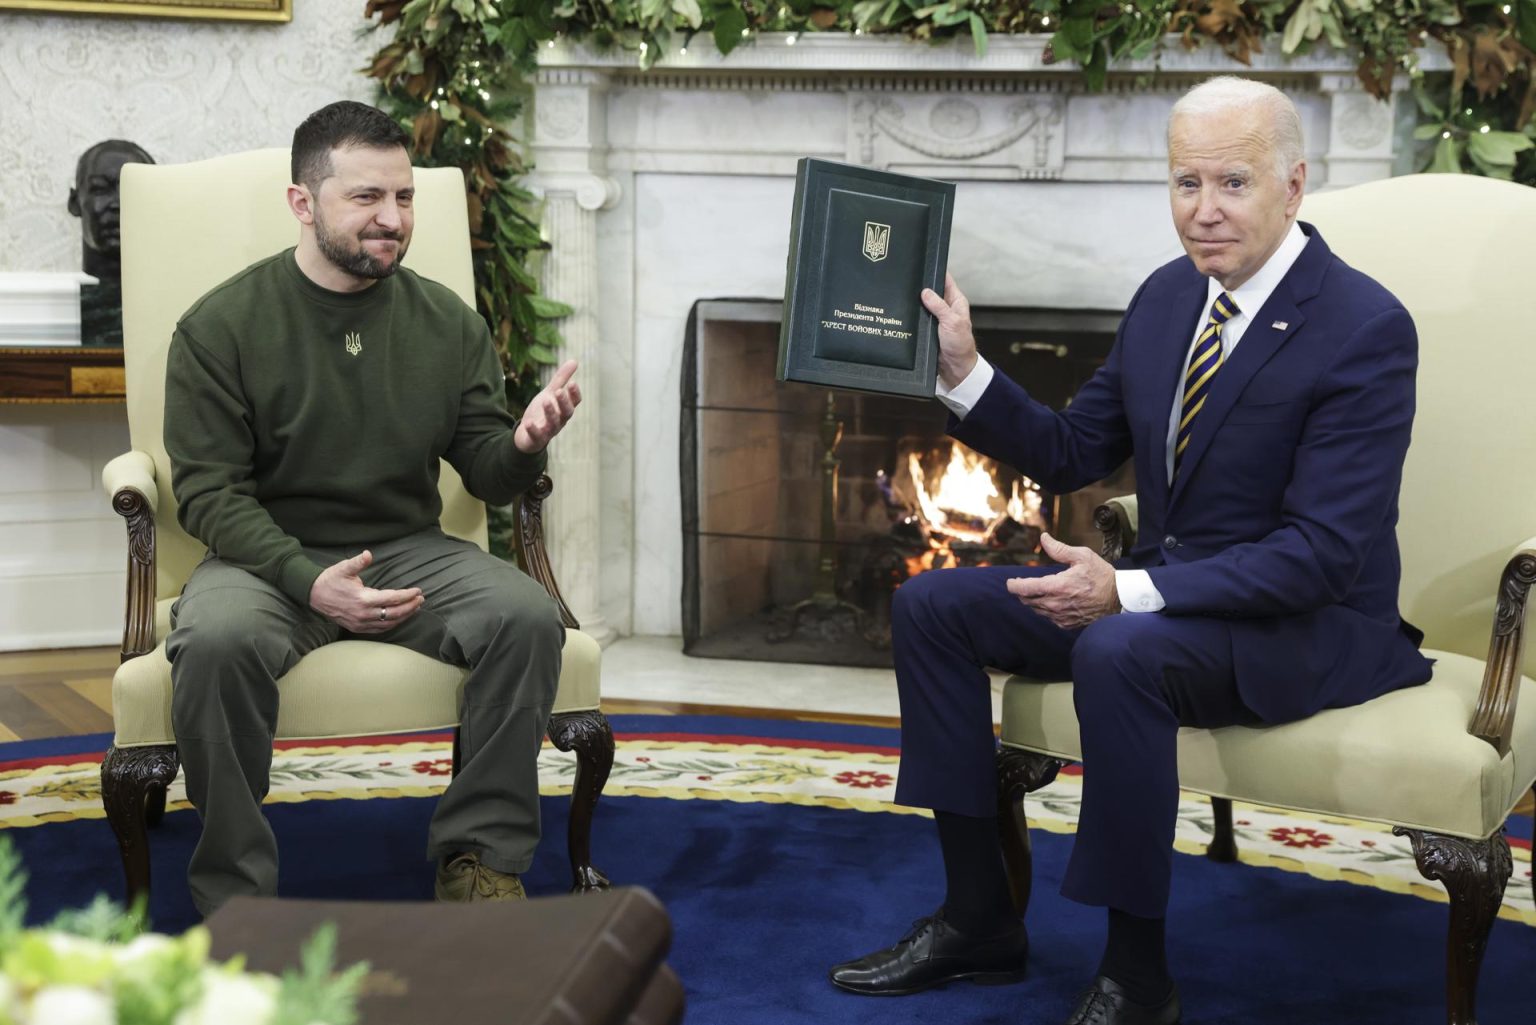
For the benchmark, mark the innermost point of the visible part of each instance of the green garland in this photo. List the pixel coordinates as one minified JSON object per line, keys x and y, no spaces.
{"x":457,"y":73}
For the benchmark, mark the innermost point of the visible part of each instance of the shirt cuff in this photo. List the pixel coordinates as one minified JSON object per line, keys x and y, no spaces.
{"x":963,"y":398}
{"x":1137,"y":592}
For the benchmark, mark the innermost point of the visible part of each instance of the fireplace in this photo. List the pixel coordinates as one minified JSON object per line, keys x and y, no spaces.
{"x":805,"y":508}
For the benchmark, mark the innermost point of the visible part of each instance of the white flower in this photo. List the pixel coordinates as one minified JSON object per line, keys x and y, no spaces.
{"x":71,"y":1005}
{"x":143,"y":951}
{"x":230,"y":999}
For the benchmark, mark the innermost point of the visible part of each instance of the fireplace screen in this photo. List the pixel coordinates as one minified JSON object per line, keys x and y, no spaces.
{"x":805,"y":508}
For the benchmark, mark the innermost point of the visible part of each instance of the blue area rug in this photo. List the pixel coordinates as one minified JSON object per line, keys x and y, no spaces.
{"x":766,"y":891}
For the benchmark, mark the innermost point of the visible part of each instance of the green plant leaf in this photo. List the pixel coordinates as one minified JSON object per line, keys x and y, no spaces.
{"x":1306,"y":23}
{"x":689,"y":11}
{"x":1497,"y":148}
{"x":1447,"y":158}
{"x":1074,"y":40}
{"x":979,"y":34}
{"x":549,"y":309}
{"x":1425,"y":132}
{"x":728,"y":29}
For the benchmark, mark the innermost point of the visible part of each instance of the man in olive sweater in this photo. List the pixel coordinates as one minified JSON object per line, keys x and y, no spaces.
{"x":308,"y":401}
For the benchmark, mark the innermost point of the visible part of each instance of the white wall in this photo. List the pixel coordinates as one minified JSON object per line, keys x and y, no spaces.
{"x":183,"y":91}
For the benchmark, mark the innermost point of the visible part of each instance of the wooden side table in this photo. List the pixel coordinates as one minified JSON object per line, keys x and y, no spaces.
{"x":61,"y":374}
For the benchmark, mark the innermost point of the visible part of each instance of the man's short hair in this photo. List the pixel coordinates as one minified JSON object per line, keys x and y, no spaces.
{"x":1228,"y":92}
{"x":337,"y":126}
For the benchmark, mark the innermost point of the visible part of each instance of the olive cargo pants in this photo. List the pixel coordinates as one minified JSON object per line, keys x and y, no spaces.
{"x":233,"y":637}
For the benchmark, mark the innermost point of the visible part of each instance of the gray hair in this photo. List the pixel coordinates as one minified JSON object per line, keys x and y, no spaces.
{"x":1228,"y":92}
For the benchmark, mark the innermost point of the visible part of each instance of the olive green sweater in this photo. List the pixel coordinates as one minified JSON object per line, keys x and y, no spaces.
{"x":299,"y":416}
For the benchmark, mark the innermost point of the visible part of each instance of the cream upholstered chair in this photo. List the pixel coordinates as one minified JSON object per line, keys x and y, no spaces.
{"x":1446,"y":762}
{"x":185,"y":229}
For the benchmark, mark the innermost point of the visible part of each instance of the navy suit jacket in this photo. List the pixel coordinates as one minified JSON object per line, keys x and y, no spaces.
{"x":1282,"y":516}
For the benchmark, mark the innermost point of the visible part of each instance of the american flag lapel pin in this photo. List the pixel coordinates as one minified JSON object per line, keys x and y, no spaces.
{"x":1280,"y":325}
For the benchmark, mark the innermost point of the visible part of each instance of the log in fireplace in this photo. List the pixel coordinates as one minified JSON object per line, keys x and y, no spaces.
{"x":805,"y":508}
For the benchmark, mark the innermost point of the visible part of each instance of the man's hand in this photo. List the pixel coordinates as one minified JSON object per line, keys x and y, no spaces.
{"x":1078,"y":595}
{"x":549,"y":411}
{"x":341,"y":596}
{"x":957,"y":345}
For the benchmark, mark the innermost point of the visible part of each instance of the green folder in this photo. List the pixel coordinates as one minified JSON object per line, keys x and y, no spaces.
{"x":863,"y":244}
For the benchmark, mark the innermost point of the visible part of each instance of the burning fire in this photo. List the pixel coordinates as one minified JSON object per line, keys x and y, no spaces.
{"x":965,"y":505}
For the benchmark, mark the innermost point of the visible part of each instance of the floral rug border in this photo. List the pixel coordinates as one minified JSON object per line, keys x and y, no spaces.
{"x":1337,"y":850}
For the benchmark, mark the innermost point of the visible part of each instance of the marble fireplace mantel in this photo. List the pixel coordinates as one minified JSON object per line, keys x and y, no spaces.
{"x":671,"y":184}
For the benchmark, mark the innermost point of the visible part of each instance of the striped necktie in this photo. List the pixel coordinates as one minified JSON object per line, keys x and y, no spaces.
{"x":1203,"y":365}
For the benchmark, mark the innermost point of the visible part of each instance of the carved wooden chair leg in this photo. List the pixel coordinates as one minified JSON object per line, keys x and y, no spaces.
{"x":589,"y":734}
{"x":1019,"y":773}
{"x":130,"y":777}
{"x":154,"y":806}
{"x":1475,"y":873}
{"x":1223,"y":845}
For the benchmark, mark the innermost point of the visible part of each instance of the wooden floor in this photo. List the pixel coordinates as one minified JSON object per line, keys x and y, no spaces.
{"x":60,"y":693}
{"x":67,"y":692}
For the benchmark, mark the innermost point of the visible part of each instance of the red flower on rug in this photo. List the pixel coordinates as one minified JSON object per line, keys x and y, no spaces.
{"x":1300,"y":836}
{"x":864,"y":779}
{"x":7,"y":797}
{"x":435,"y":767}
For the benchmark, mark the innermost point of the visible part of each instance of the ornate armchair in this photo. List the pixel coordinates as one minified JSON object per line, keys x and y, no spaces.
{"x":185,"y":229}
{"x":1445,"y":763}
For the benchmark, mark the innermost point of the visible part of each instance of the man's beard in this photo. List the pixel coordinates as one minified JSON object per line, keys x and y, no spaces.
{"x":359,"y":261}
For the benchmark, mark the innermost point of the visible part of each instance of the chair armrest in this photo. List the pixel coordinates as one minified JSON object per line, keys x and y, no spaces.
{"x":529,"y":539}
{"x":130,"y":481}
{"x":1494,"y":719}
{"x":132,"y":470}
{"x":1116,"y":519}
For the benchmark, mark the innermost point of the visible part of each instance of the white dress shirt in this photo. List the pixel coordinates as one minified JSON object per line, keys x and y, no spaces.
{"x":1134,"y":586}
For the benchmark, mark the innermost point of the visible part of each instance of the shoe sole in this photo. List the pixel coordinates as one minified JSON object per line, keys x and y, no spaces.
{"x":1004,"y":978}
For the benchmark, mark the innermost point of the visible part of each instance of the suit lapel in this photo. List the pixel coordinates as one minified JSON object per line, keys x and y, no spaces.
{"x":1272,"y":325}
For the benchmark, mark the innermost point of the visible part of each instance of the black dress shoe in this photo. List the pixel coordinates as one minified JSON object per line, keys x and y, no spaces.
{"x":1105,"y":1003}
{"x":933,"y":953}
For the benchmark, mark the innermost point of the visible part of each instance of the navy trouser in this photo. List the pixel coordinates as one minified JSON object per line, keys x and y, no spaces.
{"x":1137,"y":677}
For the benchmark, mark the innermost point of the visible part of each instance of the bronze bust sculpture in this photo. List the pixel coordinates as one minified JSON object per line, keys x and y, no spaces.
{"x":94,"y":199}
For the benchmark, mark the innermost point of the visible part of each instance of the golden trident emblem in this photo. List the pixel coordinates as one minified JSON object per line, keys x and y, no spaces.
{"x":877,"y":240}
{"x":354,"y":343}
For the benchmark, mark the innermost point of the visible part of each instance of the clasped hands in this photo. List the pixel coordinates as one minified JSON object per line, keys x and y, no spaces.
{"x":340,"y":595}
{"x":1078,"y":595}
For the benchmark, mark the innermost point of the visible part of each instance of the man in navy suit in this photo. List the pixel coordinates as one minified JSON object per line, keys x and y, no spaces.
{"x":1265,"y":391}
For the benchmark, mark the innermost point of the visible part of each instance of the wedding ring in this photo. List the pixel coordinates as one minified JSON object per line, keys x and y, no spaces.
{"x":383,"y":613}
